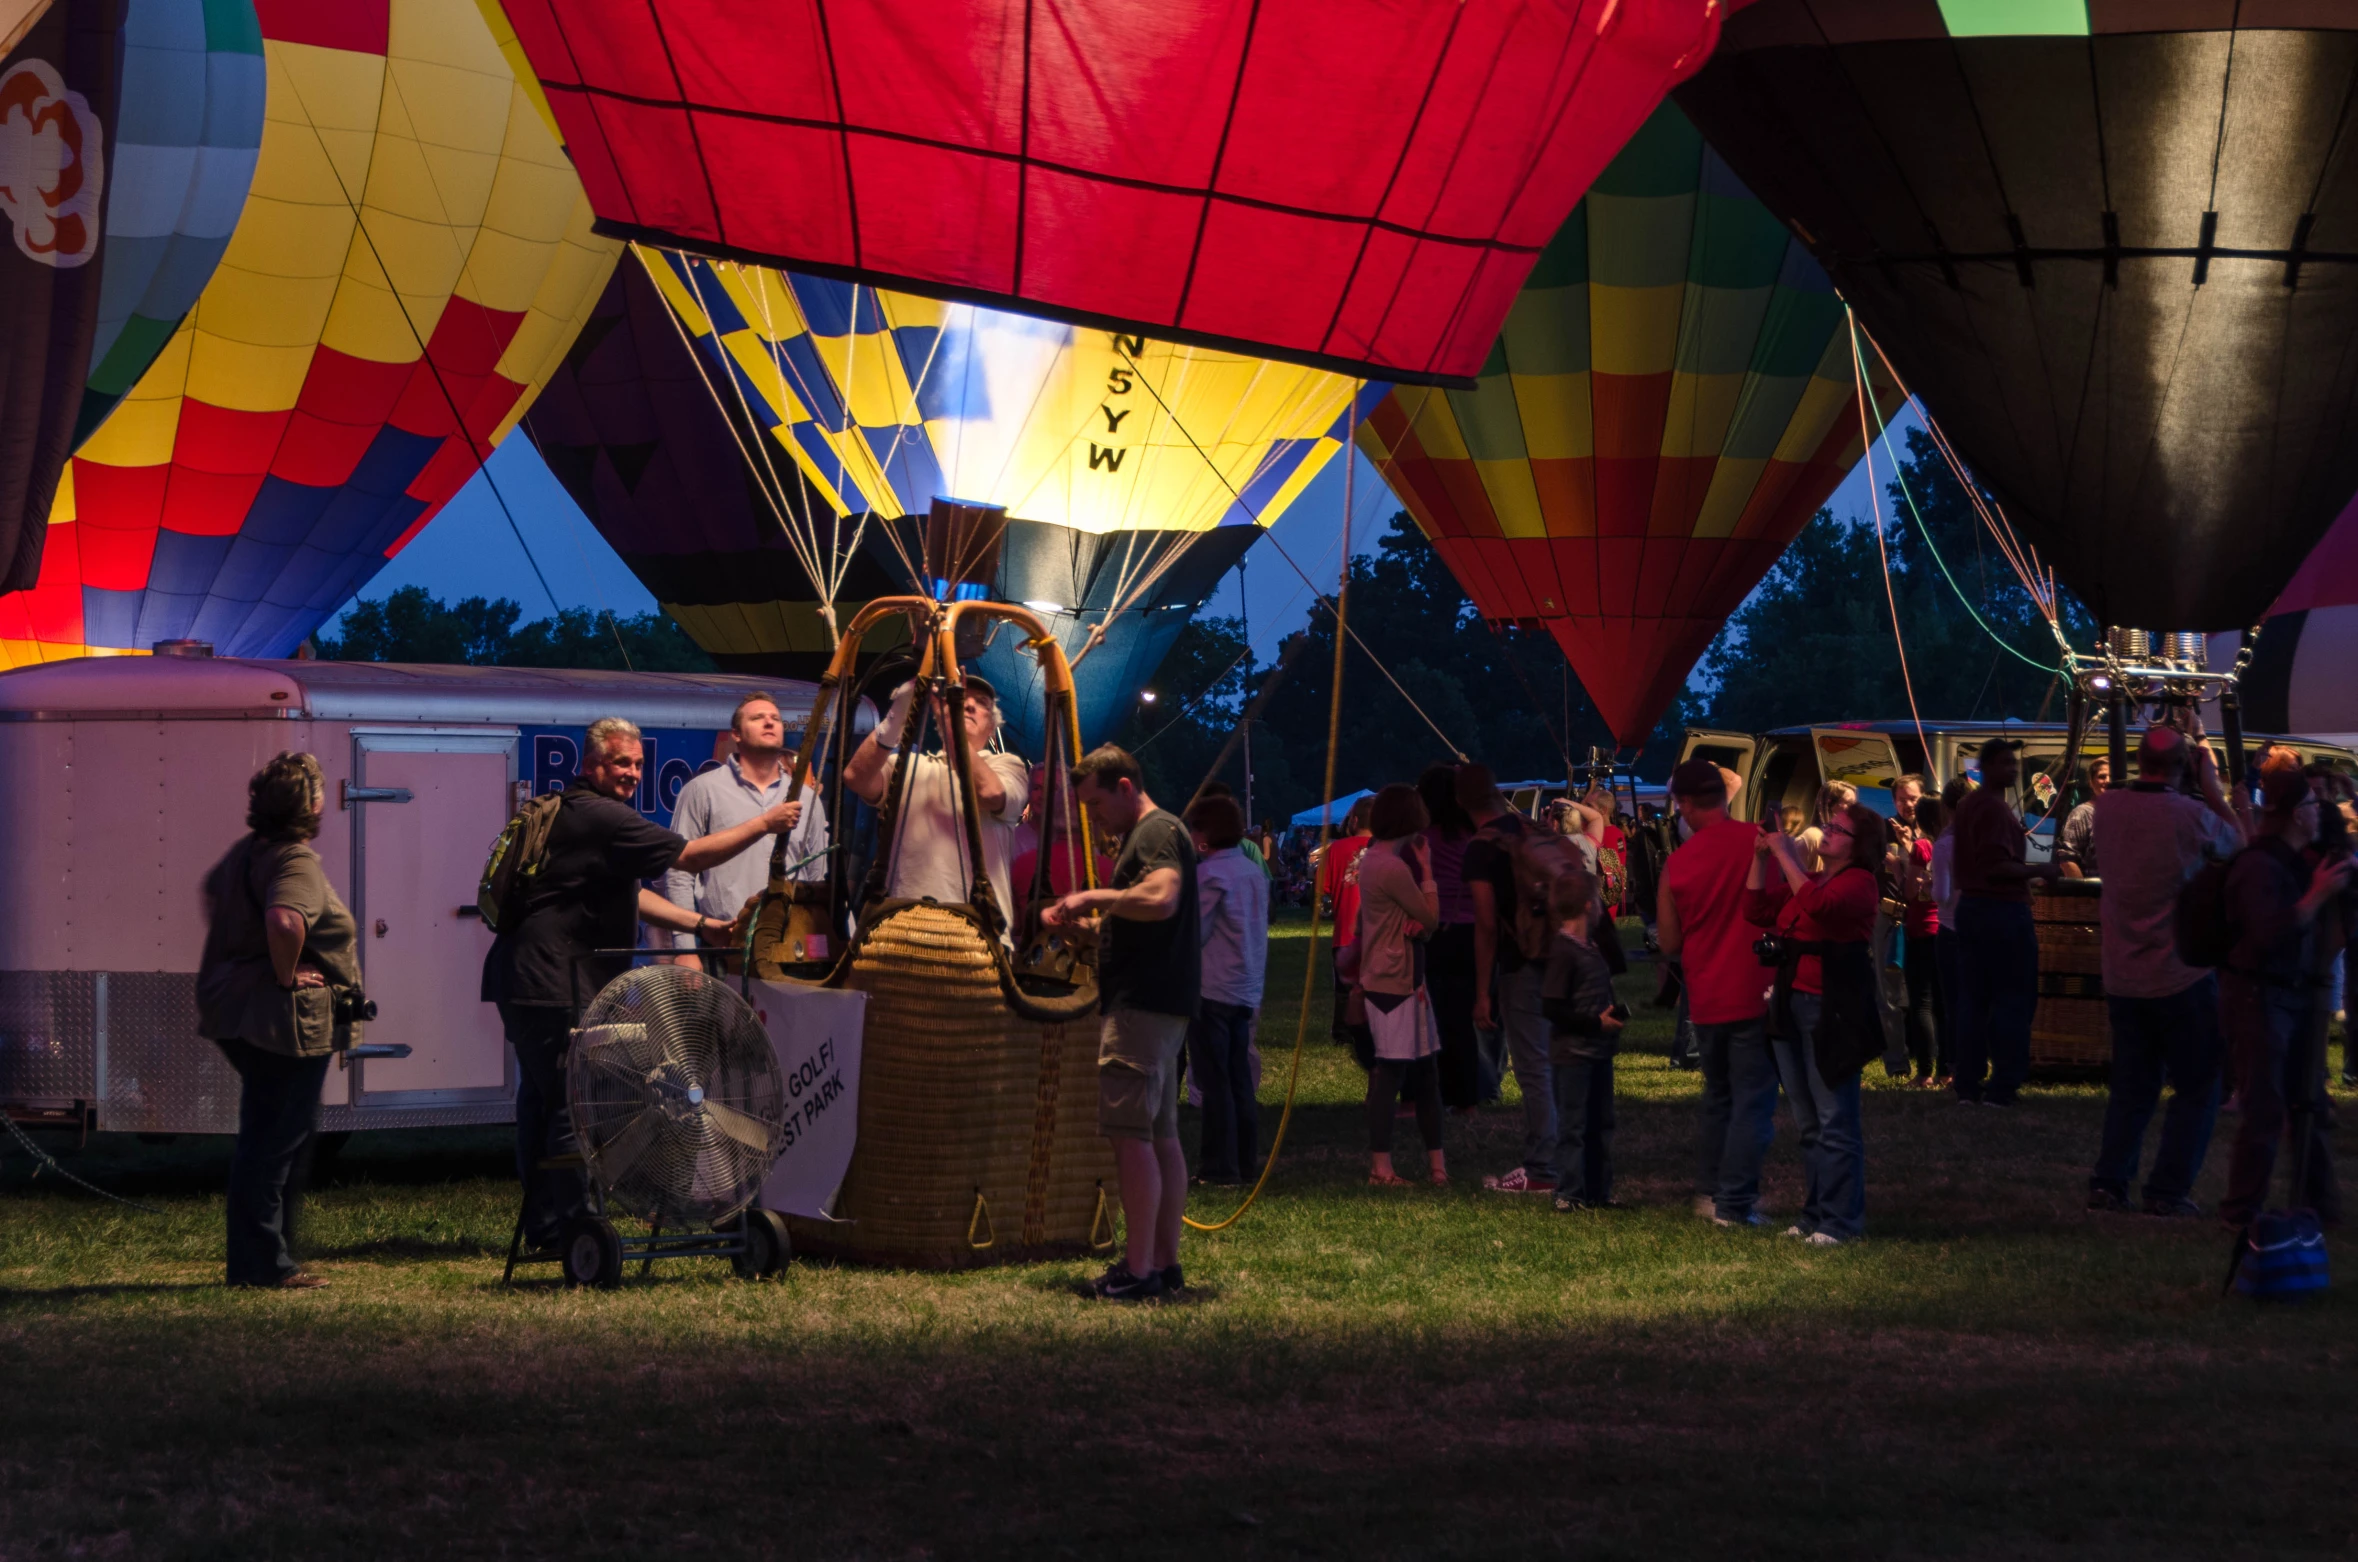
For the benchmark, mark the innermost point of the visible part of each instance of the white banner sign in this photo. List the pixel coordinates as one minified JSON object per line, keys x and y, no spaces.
{"x":816,"y":1033}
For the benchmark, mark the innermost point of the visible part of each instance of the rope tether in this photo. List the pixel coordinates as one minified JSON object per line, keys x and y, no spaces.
{"x":1326,"y":828}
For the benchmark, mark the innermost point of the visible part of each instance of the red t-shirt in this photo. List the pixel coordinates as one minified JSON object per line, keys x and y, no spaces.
{"x":1923,"y":919}
{"x":1063,"y":874}
{"x":1705,"y":881}
{"x":1338,"y":880}
{"x":1839,"y":911}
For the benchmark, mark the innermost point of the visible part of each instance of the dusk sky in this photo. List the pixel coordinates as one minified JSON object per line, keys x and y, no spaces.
{"x":471,"y":550}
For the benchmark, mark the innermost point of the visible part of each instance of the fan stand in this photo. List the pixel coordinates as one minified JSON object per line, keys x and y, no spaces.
{"x":592,"y":1251}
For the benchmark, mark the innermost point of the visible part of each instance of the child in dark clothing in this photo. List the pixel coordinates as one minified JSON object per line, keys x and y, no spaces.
{"x":1584,"y":1023}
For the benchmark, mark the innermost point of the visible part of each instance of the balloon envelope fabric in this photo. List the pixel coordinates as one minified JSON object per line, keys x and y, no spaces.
{"x":413,"y":259}
{"x":191,"y":129}
{"x":1355,"y":182}
{"x":1671,"y":401}
{"x":2112,"y":245}
{"x":1133,"y":472}
{"x":2299,"y":678}
{"x":57,"y":126}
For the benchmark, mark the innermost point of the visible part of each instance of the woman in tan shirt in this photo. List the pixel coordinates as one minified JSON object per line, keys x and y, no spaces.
{"x":1399,"y":907}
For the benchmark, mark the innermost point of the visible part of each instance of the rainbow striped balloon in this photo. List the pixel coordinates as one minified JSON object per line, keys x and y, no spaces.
{"x":1670,"y":402}
{"x":413,"y":261}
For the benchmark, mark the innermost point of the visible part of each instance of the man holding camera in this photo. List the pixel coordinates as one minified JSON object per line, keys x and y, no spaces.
{"x":588,"y":894}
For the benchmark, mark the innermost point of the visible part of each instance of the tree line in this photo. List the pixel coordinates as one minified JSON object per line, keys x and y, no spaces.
{"x":1813,"y":643}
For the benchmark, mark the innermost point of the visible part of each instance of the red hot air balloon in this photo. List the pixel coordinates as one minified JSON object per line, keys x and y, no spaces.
{"x":1357,"y":183}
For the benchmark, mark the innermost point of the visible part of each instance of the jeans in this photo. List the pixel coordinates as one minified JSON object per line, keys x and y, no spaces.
{"x":544,"y":1128}
{"x":1219,"y":1044}
{"x":1927,"y":1023}
{"x":1682,"y":1035}
{"x":1739,"y":1113}
{"x":1449,"y":981}
{"x":1833,"y":1142}
{"x":277,"y":1109}
{"x":2271,"y":1053}
{"x":1515,"y":994}
{"x":2156,"y":1039}
{"x":1948,"y":958}
{"x":1998,"y":967}
{"x":1584,"y":1129}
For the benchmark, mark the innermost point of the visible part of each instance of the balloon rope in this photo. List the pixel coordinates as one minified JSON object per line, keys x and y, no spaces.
{"x":2020,"y":557}
{"x":1334,"y":610}
{"x":1923,"y":530}
{"x":1326,"y":832}
{"x":1866,"y":397}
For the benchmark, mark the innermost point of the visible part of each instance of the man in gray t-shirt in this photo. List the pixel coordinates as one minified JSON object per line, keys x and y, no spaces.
{"x":2152,"y":838}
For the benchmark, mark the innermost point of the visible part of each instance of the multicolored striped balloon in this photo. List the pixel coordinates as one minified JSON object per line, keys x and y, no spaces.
{"x":190,"y":130}
{"x":1670,"y":402}
{"x":413,"y":261}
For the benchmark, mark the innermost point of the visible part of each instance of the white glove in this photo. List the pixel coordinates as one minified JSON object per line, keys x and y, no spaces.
{"x":896,"y":720}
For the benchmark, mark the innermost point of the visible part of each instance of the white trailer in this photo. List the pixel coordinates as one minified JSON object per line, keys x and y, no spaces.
{"x":123,"y":780}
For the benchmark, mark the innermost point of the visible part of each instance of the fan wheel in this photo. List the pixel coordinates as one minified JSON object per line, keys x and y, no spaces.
{"x":768,"y":1250}
{"x":590,"y":1252}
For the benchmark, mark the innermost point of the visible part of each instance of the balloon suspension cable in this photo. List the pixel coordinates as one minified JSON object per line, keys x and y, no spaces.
{"x":1326,"y":834}
{"x":1334,"y":609}
{"x":425,"y":354}
{"x":1866,"y":399}
{"x":773,"y":490}
{"x":2037,"y":581}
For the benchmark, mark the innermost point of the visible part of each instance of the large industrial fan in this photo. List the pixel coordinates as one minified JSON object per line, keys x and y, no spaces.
{"x":680,"y":1107}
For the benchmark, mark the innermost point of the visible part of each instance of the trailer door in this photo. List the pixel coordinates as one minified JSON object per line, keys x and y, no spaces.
{"x":1735,"y":751}
{"x":1864,"y":759}
{"x":425,"y":806}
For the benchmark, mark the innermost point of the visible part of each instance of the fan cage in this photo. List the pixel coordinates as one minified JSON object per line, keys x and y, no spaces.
{"x":676,"y":1097}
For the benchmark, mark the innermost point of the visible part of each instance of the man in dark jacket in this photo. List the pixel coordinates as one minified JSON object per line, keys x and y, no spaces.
{"x":589,"y":894}
{"x":2267,"y":989}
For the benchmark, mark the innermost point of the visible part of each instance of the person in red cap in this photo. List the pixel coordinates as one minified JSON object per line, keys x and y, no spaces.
{"x":1700,"y":922}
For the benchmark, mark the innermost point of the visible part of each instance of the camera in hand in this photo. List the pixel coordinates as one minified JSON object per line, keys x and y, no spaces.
{"x":1771,"y":949}
{"x":353,"y":1006}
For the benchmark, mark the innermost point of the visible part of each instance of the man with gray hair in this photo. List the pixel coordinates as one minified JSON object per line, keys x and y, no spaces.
{"x":753,"y":778}
{"x":2152,"y":839}
{"x":588,"y":893}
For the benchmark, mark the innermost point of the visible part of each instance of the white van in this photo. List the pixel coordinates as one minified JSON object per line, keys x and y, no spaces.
{"x":123,"y":780}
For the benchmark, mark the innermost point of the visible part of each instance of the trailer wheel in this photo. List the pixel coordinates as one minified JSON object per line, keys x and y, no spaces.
{"x":592,"y":1252}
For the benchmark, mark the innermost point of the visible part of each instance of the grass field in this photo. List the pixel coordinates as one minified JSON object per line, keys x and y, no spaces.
{"x":1361,"y":1374}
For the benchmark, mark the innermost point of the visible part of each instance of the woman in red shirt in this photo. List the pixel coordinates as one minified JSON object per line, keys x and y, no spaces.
{"x":1825,"y":998}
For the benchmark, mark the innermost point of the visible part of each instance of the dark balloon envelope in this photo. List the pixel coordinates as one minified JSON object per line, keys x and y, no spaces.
{"x":2117,"y":260}
{"x":58,"y":91}
{"x":1356,"y":183}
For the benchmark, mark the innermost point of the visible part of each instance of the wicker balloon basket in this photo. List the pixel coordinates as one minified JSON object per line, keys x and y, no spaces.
{"x":978,"y":1139}
{"x":2071,"y":1032}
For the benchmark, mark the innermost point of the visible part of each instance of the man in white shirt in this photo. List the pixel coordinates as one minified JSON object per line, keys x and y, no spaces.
{"x":750,"y":780}
{"x":2152,"y":838}
{"x":929,"y":854}
{"x":1233,"y":923}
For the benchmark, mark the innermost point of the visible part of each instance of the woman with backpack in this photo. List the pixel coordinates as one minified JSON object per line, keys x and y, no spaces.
{"x":1399,"y":907}
{"x":1823,"y":1021}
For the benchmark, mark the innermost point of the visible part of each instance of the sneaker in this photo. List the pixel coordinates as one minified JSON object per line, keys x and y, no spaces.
{"x":1749,"y":1218}
{"x":1822,"y":1239}
{"x":2171,"y":1209}
{"x":1566,"y":1204}
{"x":1519,"y":1181}
{"x":1119,"y":1285}
{"x":1793,"y":1231}
{"x":1703,"y":1207}
{"x":2106,"y":1201}
{"x":1173,"y":1280}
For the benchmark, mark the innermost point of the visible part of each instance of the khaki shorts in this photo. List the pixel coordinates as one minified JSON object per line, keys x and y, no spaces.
{"x":1138,"y":1074}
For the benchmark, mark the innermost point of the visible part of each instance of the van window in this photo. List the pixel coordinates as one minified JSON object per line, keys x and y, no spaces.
{"x":1726,"y":756}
